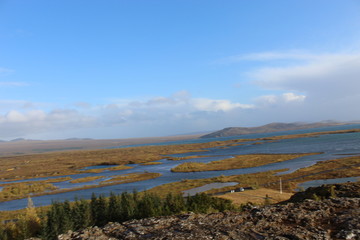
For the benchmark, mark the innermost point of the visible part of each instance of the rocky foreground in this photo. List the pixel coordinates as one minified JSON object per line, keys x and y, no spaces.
{"x":333,"y":218}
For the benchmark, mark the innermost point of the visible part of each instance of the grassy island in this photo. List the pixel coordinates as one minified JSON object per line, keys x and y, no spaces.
{"x":240,"y":161}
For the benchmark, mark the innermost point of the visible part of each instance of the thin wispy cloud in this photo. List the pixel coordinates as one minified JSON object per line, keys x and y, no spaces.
{"x":269,"y":56}
{"x":13,"y":84}
{"x":4,"y":71}
{"x":294,"y":55}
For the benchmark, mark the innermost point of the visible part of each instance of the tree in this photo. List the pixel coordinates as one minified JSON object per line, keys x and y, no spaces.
{"x":114,"y":208}
{"x":81,"y":214}
{"x":29,"y":224}
{"x":128,"y":206}
{"x":98,"y":210}
{"x":149,"y":206}
{"x":173,"y":204}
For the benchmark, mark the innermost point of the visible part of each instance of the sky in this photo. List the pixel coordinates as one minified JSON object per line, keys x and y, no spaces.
{"x":146,"y":68}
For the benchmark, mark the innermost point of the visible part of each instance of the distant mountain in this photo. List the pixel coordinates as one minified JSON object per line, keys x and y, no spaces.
{"x":78,"y":139}
{"x":272,"y":127}
{"x":18,"y":140}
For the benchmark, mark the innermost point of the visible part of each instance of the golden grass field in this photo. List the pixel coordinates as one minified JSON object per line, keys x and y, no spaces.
{"x":257,"y":196}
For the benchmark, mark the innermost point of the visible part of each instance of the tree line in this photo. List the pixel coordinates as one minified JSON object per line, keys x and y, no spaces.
{"x":64,"y":216}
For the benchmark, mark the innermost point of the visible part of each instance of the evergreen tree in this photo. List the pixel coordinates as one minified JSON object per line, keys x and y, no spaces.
{"x":128,"y":206}
{"x":81,"y":214}
{"x":114,"y":208}
{"x":101,"y":211}
{"x":93,"y":208}
{"x":98,"y":210}
{"x":173,"y":204}
{"x":149,"y":206}
{"x":52,"y":229}
{"x":67,"y":220}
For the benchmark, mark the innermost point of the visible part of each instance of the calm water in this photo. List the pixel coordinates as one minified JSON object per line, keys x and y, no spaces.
{"x":332,"y":146}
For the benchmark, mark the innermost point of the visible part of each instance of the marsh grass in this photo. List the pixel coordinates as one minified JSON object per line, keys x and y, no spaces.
{"x":343,"y":167}
{"x":338,"y":168}
{"x":86,"y":179}
{"x":99,"y":170}
{"x":22,"y":190}
{"x":151,"y":163}
{"x":132,"y":177}
{"x":184,"y":158}
{"x":240,"y":161}
{"x":69,"y":162}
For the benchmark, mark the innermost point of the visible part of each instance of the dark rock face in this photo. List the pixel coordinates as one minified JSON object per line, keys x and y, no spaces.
{"x":337,"y":218}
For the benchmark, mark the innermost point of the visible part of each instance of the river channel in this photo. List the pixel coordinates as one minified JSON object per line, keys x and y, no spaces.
{"x":331,"y":146}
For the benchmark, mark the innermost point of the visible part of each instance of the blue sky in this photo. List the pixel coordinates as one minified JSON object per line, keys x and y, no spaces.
{"x":141,"y":68}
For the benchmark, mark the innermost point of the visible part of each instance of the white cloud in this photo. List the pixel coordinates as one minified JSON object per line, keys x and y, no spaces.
{"x":15,"y":116}
{"x":180,"y":101}
{"x":154,"y":116}
{"x":324,"y":86}
{"x":211,"y":105}
{"x":304,"y":87}
{"x":17,"y":123}
{"x":322,"y":75}
{"x":292,"y":97}
{"x":285,"y":98}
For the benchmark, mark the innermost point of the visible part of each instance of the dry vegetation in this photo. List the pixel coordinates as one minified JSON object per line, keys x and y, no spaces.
{"x":338,"y":168}
{"x":65,"y":163}
{"x":184,"y":158}
{"x":251,"y":180}
{"x":69,"y":162}
{"x":86,"y":179}
{"x":15,"y":148}
{"x":99,"y":170}
{"x":151,"y":163}
{"x":132,"y":177}
{"x":37,"y":188}
{"x":313,"y":134}
{"x":343,"y":167}
{"x":257,"y":196}
{"x":240,"y":161}
{"x":22,"y":190}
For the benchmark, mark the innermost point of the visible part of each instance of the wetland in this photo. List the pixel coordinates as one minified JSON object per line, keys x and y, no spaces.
{"x":256,"y":160}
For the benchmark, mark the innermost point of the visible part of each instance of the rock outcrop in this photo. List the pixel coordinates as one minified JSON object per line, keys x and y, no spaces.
{"x":336,"y":218}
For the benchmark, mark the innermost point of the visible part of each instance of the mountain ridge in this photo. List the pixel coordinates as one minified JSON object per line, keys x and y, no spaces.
{"x":271,"y":127}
